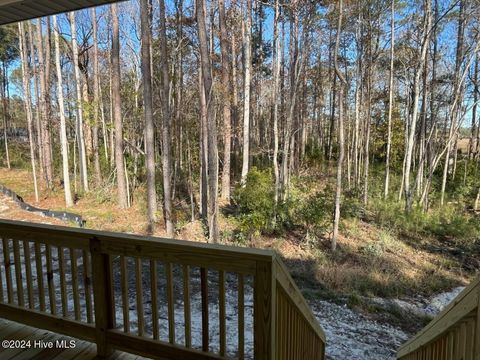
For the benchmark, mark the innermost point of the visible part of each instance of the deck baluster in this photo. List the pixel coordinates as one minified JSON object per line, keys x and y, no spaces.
{"x":18,"y":273}
{"x":39,"y":269}
{"x":28,"y":271}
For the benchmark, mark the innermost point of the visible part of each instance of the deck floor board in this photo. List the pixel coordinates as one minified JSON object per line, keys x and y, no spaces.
{"x":10,"y":330}
{"x":33,"y":353}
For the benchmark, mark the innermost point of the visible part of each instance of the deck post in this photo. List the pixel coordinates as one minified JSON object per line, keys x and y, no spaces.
{"x":102,"y":297}
{"x":264,"y":310}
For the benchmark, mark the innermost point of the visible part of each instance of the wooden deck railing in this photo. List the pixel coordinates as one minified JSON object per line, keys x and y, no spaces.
{"x":453,"y":335}
{"x":154,"y":297}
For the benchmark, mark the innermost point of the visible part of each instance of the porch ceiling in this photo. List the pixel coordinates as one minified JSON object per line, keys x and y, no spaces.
{"x":18,"y":10}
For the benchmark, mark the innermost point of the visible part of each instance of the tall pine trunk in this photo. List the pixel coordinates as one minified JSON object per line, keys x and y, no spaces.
{"x":5,"y":113}
{"x":28,"y":103}
{"x":247,"y":87}
{"x":79,"y":121}
{"x":36,"y":128}
{"x":148,"y":114}
{"x":212,"y":158}
{"x":390,"y":103}
{"x":455,"y":110}
{"x":96,"y":100}
{"x":44,"y":120}
{"x":276,"y":64}
{"x":341,"y":145}
{"x":410,"y":135}
{"x":61,"y":109}
{"x":166,"y":125}
{"x":117,"y":112}
{"x":226,"y":88}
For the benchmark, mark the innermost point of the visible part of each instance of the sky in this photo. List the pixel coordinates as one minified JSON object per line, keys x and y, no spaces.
{"x":129,"y":28}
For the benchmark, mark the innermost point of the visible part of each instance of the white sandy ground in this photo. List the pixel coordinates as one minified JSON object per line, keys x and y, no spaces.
{"x":350,"y":335}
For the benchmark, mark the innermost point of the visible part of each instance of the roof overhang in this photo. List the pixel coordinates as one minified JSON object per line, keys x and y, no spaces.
{"x":18,"y":10}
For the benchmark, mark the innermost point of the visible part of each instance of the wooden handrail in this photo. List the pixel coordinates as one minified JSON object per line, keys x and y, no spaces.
{"x":285,"y":280}
{"x":74,"y":257}
{"x":443,"y":332}
{"x":299,"y":336}
{"x":80,"y":237}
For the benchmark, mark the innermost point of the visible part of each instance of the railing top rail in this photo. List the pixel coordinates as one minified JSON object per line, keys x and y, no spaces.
{"x":288,"y":284}
{"x":460,"y":307}
{"x":229,"y":258}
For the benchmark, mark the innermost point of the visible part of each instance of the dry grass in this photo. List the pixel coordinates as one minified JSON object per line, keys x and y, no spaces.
{"x":371,"y":262}
{"x":96,"y":207}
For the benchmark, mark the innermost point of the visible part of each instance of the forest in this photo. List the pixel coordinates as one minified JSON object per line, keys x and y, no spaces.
{"x":344,"y":134}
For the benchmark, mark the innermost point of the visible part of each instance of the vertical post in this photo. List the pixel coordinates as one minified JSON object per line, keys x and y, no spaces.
{"x":264,"y":310}
{"x":204,"y":295}
{"x":102,"y":296}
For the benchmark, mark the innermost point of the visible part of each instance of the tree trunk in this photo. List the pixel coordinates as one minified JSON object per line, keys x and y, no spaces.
{"x":5,"y":113}
{"x":414,"y":117}
{"x":472,"y":148}
{"x":166,"y":112}
{"x":226,"y":88}
{"x":454,"y":113}
{"x":422,"y":133}
{"x":343,"y":83}
{"x":277,"y":59}
{"x":247,"y":46}
{"x":148,"y":114}
{"x":211,"y":125}
{"x":368,"y":121}
{"x":37,"y":134}
{"x":295,"y":72}
{"x":28,"y":104}
{"x":117,"y":112}
{"x":390,"y":104}
{"x":358,"y":93}
{"x":203,"y":142}
{"x":44,"y":121}
{"x":96,"y":100}
{"x":79,"y":122}
{"x":179,"y":91}
{"x":61,"y":109}
{"x":235,"y":107}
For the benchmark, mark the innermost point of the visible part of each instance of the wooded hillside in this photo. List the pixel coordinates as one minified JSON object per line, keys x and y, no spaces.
{"x":218,"y":108}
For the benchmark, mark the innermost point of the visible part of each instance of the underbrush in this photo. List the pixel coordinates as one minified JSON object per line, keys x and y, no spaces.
{"x":304,"y":208}
{"x":382,"y":250}
{"x":18,"y":153}
{"x":448,"y":222}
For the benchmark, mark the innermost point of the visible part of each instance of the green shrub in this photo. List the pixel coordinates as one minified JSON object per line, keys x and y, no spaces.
{"x":446,"y":222}
{"x":453,"y":223}
{"x":314,"y":214}
{"x":463,"y":187}
{"x":19,"y":155}
{"x":372,"y":249}
{"x":255,"y":201}
{"x":352,"y":206}
{"x":385,"y":242}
